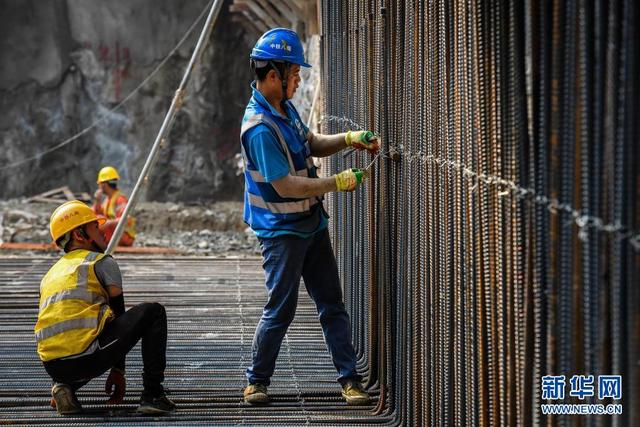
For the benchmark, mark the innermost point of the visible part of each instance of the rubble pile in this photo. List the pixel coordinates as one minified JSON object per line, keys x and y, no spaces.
{"x":202,"y":229}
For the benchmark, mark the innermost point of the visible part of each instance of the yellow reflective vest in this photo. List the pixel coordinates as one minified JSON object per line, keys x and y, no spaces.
{"x":73,"y":306}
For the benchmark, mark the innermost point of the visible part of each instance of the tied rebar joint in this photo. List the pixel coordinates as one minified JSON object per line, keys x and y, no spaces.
{"x":394,"y":154}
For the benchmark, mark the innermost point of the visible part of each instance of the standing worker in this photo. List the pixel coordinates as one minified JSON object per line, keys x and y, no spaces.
{"x":283,"y":206}
{"x":83,"y":328}
{"x":110,"y":204}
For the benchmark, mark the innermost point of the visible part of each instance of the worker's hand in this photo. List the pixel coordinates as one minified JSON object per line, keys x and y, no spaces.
{"x":116,"y":386}
{"x":349,"y":179}
{"x":98,"y":196}
{"x":362,"y":140}
{"x":102,"y":226}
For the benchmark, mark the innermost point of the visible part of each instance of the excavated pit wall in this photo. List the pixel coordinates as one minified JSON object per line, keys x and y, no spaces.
{"x":64,"y":64}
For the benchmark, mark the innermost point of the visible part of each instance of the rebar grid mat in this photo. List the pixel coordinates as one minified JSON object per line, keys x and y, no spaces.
{"x":465,"y":290}
{"x":213,"y":306}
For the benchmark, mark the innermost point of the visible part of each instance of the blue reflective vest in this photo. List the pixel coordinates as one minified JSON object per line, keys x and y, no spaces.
{"x":264,"y":209}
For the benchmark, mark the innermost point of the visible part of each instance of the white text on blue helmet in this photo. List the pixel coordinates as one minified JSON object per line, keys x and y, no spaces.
{"x":283,"y":46}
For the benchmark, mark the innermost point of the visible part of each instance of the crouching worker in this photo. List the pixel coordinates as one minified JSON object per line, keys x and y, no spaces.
{"x":83,"y":329}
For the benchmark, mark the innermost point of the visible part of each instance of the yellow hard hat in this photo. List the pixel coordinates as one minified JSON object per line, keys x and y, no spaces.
{"x":69,"y":216}
{"x":107,"y":173}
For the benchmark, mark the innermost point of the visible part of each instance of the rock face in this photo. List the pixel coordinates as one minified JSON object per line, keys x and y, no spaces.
{"x":65,"y":63}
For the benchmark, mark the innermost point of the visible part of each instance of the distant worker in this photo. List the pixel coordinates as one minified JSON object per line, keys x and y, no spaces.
{"x":83,"y":328}
{"x":110,"y":203}
{"x":283,"y":206}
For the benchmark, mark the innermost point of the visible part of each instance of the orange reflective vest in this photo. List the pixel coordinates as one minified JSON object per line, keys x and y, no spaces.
{"x":113,"y":207}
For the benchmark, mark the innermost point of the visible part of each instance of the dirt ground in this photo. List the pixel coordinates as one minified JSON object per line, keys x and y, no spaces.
{"x":195,"y":229}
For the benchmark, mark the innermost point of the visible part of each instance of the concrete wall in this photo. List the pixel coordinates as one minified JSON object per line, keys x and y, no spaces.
{"x":63,"y":63}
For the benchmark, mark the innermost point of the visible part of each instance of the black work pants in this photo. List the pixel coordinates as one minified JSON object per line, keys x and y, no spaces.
{"x":147,"y":321}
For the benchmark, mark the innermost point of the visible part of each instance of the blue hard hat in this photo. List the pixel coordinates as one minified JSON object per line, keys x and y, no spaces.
{"x":279,"y":44}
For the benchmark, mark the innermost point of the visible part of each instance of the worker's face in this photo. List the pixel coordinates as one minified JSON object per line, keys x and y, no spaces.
{"x":104,"y":187}
{"x":92,"y":239}
{"x":293,"y":80}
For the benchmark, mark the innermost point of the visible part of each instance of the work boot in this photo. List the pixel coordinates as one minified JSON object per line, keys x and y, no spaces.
{"x":155,"y":405}
{"x":353,"y":393}
{"x":64,"y":400}
{"x":256,"y":394}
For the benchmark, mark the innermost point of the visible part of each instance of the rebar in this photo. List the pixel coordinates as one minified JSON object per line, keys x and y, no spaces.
{"x":497,"y":239}
{"x":213,"y":306}
{"x":503,"y":244}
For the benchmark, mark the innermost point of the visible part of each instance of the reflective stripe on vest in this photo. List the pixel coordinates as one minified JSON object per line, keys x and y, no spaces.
{"x":67,"y":325}
{"x":81,"y":294}
{"x":257,"y":176}
{"x":298,"y":206}
{"x":283,"y":207}
{"x":71,"y":324}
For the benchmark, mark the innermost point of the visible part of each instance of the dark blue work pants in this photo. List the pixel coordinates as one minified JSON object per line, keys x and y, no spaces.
{"x":285,"y":260}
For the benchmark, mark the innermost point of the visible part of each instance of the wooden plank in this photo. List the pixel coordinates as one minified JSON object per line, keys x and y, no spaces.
{"x":258,"y":23}
{"x":28,"y":246}
{"x":47,"y":200}
{"x":259,"y":12}
{"x":312,"y":18}
{"x":240,"y":6}
{"x":50,"y":192}
{"x":248,"y":25}
{"x":283,"y":7}
{"x":51,"y":247}
{"x":46,"y":194}
{"x":85,"y":197}
{"x":67,"y":193}
{"x":297,"y":8}
{"x":277,"y":16}
{"x":145,"y":250}
{"x":319,"y":17}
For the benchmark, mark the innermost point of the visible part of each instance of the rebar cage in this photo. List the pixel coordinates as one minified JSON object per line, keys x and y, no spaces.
{"x":497,"y":240}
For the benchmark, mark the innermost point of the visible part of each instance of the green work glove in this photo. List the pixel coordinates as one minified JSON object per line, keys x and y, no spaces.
{"x":349,"y":179}
{"x":362,"y":140}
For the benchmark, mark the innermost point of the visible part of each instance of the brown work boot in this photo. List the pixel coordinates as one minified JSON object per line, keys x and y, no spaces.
{"x":353,"y":393}
{"x":65,"y":400}
{"x":256,"y":394}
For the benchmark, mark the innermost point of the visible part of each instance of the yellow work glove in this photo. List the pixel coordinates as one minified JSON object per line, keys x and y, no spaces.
{"x":362,"y":140}
{"x":349,"y":179}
